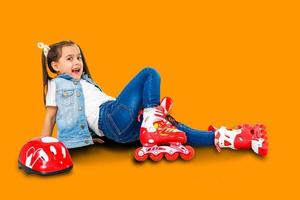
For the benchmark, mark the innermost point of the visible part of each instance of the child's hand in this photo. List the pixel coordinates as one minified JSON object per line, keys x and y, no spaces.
{"x":98,"y":141}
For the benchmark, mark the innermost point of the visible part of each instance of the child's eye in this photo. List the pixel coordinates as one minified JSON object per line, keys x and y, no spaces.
{"x":79,"y":58}
{"x":70,"y":58}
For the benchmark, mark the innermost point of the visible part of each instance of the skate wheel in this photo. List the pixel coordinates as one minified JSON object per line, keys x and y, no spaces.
{"x":188,"y":156}
{"x":157,"y":157}
{"x":138,"y":156}
{"x":171,"y":157}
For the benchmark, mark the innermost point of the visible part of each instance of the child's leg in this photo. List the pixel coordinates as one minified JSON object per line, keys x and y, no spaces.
{"x":194,"y":136}
{"x":197,"y":137}
{"x":243,"y":137}
{"x":118,"y":119}
{"x":142,"y":91}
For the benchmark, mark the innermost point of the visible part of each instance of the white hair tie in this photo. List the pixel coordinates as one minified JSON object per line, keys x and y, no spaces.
{"x":45,"y":48}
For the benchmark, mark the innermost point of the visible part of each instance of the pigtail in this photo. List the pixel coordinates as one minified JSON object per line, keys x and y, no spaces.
{"x":46,"y":77}
{"x":85,"y":66}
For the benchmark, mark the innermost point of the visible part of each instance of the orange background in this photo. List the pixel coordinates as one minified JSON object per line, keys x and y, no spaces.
{"x":223,"y":63}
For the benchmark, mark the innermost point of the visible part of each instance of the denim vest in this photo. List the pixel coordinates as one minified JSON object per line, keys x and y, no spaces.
{"x":71,"y":121}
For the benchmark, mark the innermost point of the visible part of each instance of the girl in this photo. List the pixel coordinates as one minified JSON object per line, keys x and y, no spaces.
{"x":81,"y":109}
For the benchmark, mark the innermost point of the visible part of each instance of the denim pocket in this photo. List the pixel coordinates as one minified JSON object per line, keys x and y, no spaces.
{"x":67,"y":97}
{"x":121,"y":118}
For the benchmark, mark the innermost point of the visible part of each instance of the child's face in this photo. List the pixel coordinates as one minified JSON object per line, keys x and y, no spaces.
{"x":70,"y":62}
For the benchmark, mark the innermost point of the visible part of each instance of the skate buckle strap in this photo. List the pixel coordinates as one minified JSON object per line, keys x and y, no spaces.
{"x":166,"y":126}
{"x":158,"y":112}
{"x":224,"y":138}
{"x":217,"y":136}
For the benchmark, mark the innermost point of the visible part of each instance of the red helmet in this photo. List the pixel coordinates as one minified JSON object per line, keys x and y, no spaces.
{"x":45,"y":156}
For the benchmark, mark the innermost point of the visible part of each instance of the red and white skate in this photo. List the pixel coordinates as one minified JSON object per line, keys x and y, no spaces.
{"x":156,"y":130}
{"x":244,"y":137}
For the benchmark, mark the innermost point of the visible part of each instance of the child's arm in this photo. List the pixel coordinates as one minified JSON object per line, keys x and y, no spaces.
{"x":49,"y":121}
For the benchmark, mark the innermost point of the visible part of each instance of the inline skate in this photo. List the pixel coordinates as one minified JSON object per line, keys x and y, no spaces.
{"x":243,"y":137}
{"x":159,"y":137}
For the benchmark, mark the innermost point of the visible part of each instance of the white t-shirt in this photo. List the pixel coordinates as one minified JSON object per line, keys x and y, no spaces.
{"x":93,"y":98}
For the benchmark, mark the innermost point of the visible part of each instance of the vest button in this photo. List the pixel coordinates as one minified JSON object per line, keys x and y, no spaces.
{"x":78,"y":94}
{"x":86,"y":141}
{"x":80,"y":108}
{"x":75,"y":82}
{"x":82,"y":126}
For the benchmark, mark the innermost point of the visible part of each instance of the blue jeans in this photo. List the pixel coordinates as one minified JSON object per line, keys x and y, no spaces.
{"x":118,"y":119}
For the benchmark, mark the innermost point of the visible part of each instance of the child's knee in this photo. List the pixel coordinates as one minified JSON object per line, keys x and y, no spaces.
{"x":152,"y":71}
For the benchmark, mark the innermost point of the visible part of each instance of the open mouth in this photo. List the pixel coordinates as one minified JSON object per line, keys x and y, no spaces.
{"x":76,"y":71}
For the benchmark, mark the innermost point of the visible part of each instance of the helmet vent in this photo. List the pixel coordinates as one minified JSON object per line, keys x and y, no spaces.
{"x":53,"y":150}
